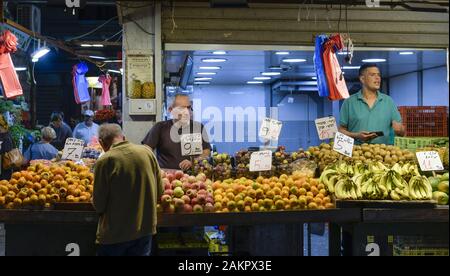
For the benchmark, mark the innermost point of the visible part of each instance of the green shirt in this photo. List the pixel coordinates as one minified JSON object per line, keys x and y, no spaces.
{"x":127,"y":186}
{"x":356,"y":116}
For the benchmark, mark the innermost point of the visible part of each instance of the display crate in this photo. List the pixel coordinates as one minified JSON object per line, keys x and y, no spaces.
{"x":430,"y":121}
{"x":413,"y":143}
{"x":181,"y":244}
{"x":420,"y":246}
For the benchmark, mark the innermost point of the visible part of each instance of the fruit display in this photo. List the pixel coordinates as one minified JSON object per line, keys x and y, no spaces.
{"x":148,"y":90}
{"x":242,"y":162}
{"x":293,"y":192}
{"x":42,"y":185}
{"x":92,"y":153}
{"x":376,"y":181}
{"x":186,"y":194}
{"x":202,"y":166}
{"x":387,"y":154}
{"x":223,"y":168}
{"x":439,"y":184}
{"x":104,"y":115}
{"x":281,"y":161}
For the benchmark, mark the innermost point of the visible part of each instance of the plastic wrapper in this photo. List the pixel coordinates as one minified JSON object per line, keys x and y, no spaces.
{"x":304,"y":166}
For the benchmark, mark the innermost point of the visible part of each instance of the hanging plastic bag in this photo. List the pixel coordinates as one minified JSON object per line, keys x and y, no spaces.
{"x":8,"y":75}
{"x":106,"y":81}
{"x":80,"y":84}
{"x":335,"y":76}
{"x":322,"y":84}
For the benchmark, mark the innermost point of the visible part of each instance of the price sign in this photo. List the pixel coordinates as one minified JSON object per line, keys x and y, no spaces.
{"x":73,"y":149}
{"x":326,"y":127}
{"x":343,"y":144}
{"x":270,"y":129}
{"x":191,"y":144}
{"x":429,"y":161}
{"x":261,"y":161}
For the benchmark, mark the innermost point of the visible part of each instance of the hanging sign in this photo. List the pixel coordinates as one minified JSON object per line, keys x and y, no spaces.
{"x":191,"y":144}
{"x":326,"y":127}
{"x":270,"y":129}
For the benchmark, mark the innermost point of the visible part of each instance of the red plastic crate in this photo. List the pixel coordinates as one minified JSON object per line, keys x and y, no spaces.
{"x":425,"y":121}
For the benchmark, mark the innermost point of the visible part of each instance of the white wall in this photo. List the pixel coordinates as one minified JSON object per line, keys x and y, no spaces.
{"x":435,"y":87}
{"x":404,"y":89}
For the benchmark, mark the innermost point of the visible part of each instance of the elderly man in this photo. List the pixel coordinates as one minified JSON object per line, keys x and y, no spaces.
{"x":42,"y":149}
{"x":127,"y":186}
{"x":165,"y":136}
{"x":86,"y":130}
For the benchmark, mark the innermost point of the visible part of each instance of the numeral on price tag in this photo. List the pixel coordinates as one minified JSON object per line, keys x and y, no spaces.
{"x":191,"y":144}
{"x":343,"y":144}
{"x":261,"y":161}
{"x":429,"y":161}
{"x":326,"y":127}
{"x":73,"y":149}
{"x":270,"y":129}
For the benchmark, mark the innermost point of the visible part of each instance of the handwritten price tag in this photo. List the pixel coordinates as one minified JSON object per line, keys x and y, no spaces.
{"x":429,"y":161}
{"x":191,"y":144}
{"x":326,"y":127}
{"x":73,"y":149}
{"x":343,"y":144}
{"x":261,"y":161}
{"x":270,"y":129}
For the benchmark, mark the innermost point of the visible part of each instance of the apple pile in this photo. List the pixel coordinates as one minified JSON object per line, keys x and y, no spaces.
{"x":295,"y":192}
{"x":185,"y":193}
{"x":223,"y":168}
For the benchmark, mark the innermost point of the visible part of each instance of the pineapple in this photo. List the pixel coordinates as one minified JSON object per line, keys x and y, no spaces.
{"x":148,"y":90}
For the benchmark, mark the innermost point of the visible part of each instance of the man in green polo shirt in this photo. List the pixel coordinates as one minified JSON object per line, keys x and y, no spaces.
{"x":370,"y":111}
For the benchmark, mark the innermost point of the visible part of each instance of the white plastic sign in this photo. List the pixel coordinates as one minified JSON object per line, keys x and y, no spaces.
{"x":261,"y":161}
{"x":191,"y":144}
{"x":326,"y":127}
{"x":343,"y":144}
{"x":73,"y":149}
{"x":429,"y":161}
{"x":270,"y":129}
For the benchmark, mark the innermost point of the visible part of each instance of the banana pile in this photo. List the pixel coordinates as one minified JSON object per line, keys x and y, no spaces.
{"x":376,"y":181}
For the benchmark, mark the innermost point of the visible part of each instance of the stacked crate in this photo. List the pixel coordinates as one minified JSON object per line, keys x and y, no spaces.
{"x":425,"y":121}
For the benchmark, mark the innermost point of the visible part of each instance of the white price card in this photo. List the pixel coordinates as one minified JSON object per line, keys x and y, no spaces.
{"x":73,"y":149}
{"x":343,"y":144}
{"x":261,"y":161}
{"x":429,"y":161}
{"x":326,"y":127}
{"x":191,"y":144}
{"x":270,"y":129}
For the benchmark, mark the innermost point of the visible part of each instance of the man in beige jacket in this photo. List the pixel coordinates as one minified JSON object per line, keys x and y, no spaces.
{"x":126,"y":188}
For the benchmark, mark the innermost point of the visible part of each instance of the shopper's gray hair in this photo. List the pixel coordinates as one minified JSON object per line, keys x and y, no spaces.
{"x":107,"y":132}
{"x":174,"y":98}
{"x":48,"y":133}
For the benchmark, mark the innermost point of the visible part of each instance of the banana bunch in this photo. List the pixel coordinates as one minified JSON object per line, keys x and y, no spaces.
{"x":329,"y":178}
{"x":420,"y":188}
{"x":346,"y":188}
{"x":360,"y":168}
{"x":372,"y":187}
{"x":397,"y":187}
{"x":407,"y":170}
{"x":345,"y":169}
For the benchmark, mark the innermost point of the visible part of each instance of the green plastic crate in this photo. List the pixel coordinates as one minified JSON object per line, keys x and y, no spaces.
{"x":412,"y":143}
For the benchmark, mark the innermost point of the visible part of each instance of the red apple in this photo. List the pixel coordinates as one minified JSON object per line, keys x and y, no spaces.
{"x":201,"y":186}
{"x":202,"y":192}
{"x":191,"y":179}
{"x":179,"y":174}
{"x":166,"y":200}
{"x":170,"y":209}
{"x":179,"y":204}
{"x":195,"y":186}
{"x":197,"y":208}
{"x":187,"y":208}
{"x":168,"y":192}
{"x":187,"y":186}
{"x":191,"y":193}
{"x":167,"y":186}
{"x":209,"y":207}
{"x":186,"y":199}
{"x":170,"y":177}
{"x":201,"y":198}
{"x":209,"y":200}
{"x":194,"y":201}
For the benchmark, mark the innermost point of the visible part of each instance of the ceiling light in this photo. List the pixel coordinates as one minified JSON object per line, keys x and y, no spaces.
{"x":97,"y":45}
{"x":254,"y":82}
{"x":343,"y":53}
{"x":275,"y":68}
{"x":219,"y":53}
{"x":351,"y":67}
{"x":294,"y":60}
{"x":86,"y":45}
{"x":262,"y":78}
{"x":210,"y":68}
{"x":121,"y":71}
{"x":212,"y":60}
{"x":314,"y":78}
{"x":406,"y":53}
{"x":34,"y":60}
{"x":113,"y":61}
{"x":202,"y":79}
{"x":374,"y":60}
{"x":18,"y":69}
{"x":97,"y":57}
{"x":282,"y":53}
{"x":40,"y":53}
{"x":201,"y":82}
{"x":206,"y":73}
{"x":115,"y":71}
{"x":270,"y":73}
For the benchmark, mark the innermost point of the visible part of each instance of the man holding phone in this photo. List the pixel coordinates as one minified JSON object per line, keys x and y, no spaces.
{"x":370,"y":116}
